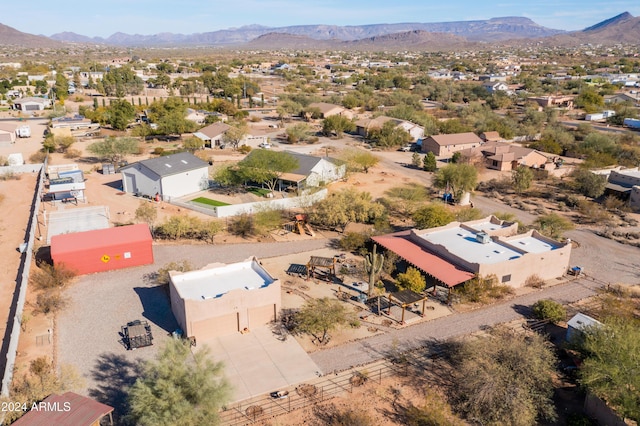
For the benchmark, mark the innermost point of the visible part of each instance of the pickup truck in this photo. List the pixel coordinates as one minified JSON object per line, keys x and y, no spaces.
{"x":407,"y":148}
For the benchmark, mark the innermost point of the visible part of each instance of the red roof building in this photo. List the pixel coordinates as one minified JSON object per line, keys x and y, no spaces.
{"x":68,"y":409}
{"x":103,"y":249}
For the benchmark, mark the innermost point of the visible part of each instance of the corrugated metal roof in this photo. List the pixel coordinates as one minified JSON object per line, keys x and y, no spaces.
{"x":442,"y":270}
{"x":171,"y":164}
{"x":456,"y":139}
{"x":68,"y":409}
{"x":80,"y":241}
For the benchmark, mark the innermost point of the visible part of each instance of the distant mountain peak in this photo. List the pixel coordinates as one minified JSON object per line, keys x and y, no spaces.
{"x":611,"y":21}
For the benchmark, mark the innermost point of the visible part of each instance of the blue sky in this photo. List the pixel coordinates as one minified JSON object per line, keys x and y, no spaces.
{"x":103,"y":18}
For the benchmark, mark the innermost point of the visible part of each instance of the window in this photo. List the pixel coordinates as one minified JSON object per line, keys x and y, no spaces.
{"x":506,"y":278}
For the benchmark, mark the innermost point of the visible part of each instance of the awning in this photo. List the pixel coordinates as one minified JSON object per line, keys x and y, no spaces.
{"x":442,"y":270}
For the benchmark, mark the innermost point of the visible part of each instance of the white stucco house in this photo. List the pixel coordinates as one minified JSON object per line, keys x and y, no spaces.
{"x":313,"y":171}
{"x":31,"y":104}
{"x":170,"y":176}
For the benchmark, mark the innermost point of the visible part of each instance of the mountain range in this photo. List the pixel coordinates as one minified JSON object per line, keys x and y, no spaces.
{"x":411,"y":36}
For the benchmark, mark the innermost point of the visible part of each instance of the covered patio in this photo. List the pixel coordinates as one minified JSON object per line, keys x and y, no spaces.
{"x":442,"y":271}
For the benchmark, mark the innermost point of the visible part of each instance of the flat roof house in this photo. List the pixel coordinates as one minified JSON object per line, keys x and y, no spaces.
{"x":169,"y":176}
{"x":457,"y":252}
{"x":224,"y":299}
{"x":447,"y":145}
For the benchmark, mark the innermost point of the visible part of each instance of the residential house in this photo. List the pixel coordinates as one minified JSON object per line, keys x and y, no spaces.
{"x":31,"y":104}
{"x":166,"y":177}
{"x":553,"y":101}
{"x":455,"y":253}
{"x":213,"y":134}
{"x":447,"y":145}
{"x":491,"y":137}
{"x":365,"y":125}
{"x":8,"y":132}
{"x":495,"y":86}
{"x":221,"y":299}
{"x":314,"y":171}
{"x":625,"y":184}
{"x":503,"y":156}
{"x":619,"y":98}
{"x":327,"y":110}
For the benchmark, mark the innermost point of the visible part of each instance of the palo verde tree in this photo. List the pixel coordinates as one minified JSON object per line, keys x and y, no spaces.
{"x":358,"y":160}
{"x":390,"y":135}
{"x":179,"y":387}
{"x":458,"y":178}
{"x":611,"y":367}
{"x":114,"y":149}
{"x":318,"y":317}
{"x":521,"y":178}
{"x":432,"y":215}
{"x":348,"y":205}
{"x":236,"y":133}
{"x":553,"y":225}
{"x":337,"y":124}
{"x":266,"y":167}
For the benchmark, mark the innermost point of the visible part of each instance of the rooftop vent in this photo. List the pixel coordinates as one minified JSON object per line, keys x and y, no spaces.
{"x":483,"y":237}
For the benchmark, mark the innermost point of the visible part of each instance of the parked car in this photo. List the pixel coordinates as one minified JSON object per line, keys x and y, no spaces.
{"x":279,"y":394}
{"x":265,"y":145}
{"x":407,"y":148}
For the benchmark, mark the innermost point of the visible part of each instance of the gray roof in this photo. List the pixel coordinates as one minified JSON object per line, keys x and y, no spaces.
{"x":171,"y":164}
{"x":308,"y":162}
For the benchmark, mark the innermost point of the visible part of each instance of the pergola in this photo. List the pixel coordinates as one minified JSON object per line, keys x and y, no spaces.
{"x":328,"y":263}
{"x":440,"y":269}
{"x":406,"y":298}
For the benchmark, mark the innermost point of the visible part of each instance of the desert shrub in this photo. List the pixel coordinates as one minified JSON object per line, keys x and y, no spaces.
{"x":614,"y":203}
{"x":332,"y":416}
{"x":435,"y":412}
{"x":593,"y":212}
{"x":48,"y":277}
{"x":242,"y":225}
{"x":37,"y":157}
{"x":162,"y":276}
{"x":466,"y":214}
{"x":390,"y":261}
{"x":72,"y":153}
{"x":483,"y":290}
{"x":534,"y":281}
{"x":3,"y":161}
{"x":10,"y":176}
{"x":50,"y":301}
{"x":158,"y":151}
{"x":353,"y":241}
{"x":549,"y":310}
{"x":255,"y":119}
{"x":267,"y":220}
{"x":244,"y":149}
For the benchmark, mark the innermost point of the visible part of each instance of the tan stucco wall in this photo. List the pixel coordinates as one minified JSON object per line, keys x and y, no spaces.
{"x":237,"y":302}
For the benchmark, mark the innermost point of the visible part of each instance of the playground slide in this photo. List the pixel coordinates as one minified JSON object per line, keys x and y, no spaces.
{"x":309,"y":230}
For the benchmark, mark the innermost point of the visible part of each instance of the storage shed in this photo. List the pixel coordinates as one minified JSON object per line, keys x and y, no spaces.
{"x":577,"y":325}
{"x":103,"y":249}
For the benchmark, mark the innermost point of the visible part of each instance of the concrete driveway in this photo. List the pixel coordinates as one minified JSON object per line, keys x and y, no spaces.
{"x":258,"y":362}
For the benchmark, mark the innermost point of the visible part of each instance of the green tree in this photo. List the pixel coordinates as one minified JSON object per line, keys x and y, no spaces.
{"x":337,"y":124}
{"x":170,"y":116}
{"x":549,"y":310}
{"x":298,"y":132}
{"x":590,"y":100}
{"x":120,"y":82}
{"x":114,"y":149}
{"x":236,"y":133}
{"x":411,"y":280}
{"x":266,"y":167}
{"x":147,"y":213}
{"x":179,"y":387}
{"x":429,"y":162}
{"x":459,"y":178}
{"x":348,"y":205}
{"x":358,"y":160}
{"x":390,"y":135}
{"x":432,"y":215}
{"x":192,"y":143}
{"x":553,"y":225}
{"x":416,"y":161}
{"x":612,"y":362}
{"x":521,"y":178}
{"x":61,"y":87}
{"x":589,"y":184}
{"x":119,"y":114}
{"x":505,"y":379}
{"x":318,"y":317}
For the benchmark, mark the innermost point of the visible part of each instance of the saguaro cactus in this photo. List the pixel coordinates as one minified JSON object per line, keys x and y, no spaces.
{"x":373,"y":265}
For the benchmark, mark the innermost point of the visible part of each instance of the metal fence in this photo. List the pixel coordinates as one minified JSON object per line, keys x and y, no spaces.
{"x":12,"y":334}
{"x":260,"y":409}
